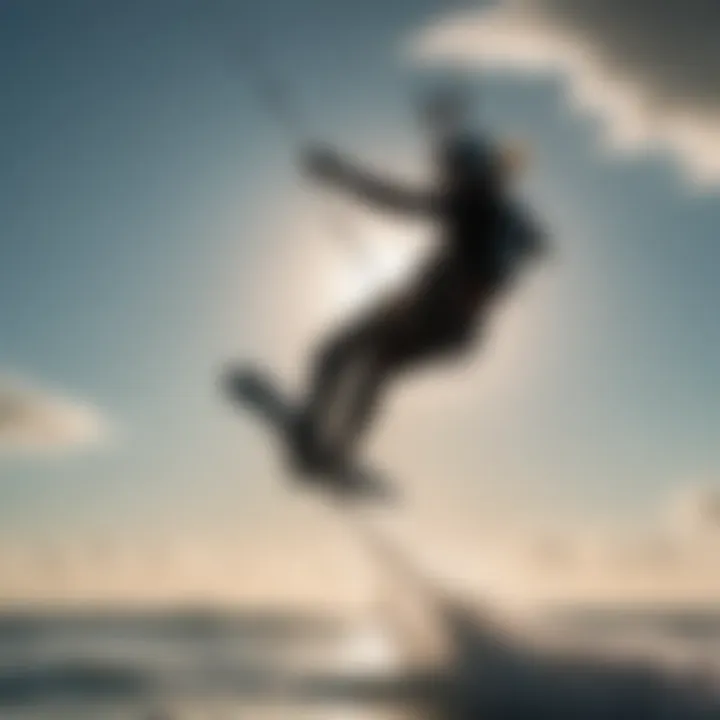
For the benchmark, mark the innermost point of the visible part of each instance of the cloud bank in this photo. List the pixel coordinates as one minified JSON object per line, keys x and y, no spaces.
{"x":36,"y":420}
{"x":667,"y":554}
{"x":648,"y":68}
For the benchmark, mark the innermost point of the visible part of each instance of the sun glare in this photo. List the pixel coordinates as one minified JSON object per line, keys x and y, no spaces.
{"x":367,"y":649}
{"x":392,"y":255}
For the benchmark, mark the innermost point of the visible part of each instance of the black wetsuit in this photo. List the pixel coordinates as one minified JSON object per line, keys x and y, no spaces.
{"x":437,"y":316}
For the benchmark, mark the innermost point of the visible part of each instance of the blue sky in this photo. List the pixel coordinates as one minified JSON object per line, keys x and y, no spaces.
{"x":152,"y":231}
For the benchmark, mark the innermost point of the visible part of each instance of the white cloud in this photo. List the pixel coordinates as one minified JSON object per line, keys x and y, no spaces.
{"x":666,"y":554}
{"x":33,"y":419}
{"x":648,"y":69}
{"x":695,"y":511}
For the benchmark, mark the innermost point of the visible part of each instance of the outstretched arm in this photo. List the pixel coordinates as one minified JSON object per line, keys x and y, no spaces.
{"x":329,"y":167}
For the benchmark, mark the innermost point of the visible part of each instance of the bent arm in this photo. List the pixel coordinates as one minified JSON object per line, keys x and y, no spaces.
{"x":386,"y":194}
{"x":370,"y":188}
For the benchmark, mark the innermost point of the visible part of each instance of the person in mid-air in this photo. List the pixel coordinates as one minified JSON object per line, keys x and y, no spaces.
{"x":484,"y":238}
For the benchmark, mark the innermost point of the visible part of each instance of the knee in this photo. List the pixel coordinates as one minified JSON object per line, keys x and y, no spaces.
{"x":455,"y":347}
{"x":460,"y":348}
{"x":333,"y":353}
{"x":461,"y":342}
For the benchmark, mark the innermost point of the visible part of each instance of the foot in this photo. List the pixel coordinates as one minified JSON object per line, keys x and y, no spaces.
{"x":351,"y":481}
{"x":310,"y":457}
{"x":305,"y":456}
{"x":332,"y":468}
{"x":247,"y":383}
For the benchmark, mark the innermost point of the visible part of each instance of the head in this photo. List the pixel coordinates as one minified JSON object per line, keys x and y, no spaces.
{"x":467,"y":161}
{"x":447,"y":114}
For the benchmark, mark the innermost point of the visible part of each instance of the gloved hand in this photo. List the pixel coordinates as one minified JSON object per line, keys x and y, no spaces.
{"x":322,"y":163}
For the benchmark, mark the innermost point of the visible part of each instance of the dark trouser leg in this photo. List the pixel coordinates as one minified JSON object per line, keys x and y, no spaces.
{"x":368,"y":381}
{"x":374,"y":367}
{"x":332,"y":372}
{"x":353,"y":370}
{"x":403,"y":348}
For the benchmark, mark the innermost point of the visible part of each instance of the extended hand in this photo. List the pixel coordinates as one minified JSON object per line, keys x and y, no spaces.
{"x":322,"y":163}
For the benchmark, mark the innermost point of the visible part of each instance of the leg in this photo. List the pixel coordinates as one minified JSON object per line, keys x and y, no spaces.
{"x":371,"y":372}
{"x":353,"y":370}
{"x":365,"y":357}
{"x":401,"y":349}
{"x":374,"y":364}
{"x":332,"y":370}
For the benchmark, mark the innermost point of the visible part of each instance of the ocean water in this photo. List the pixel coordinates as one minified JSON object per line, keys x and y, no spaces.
{"x":641,"y":663}
{"x":136,"y":665}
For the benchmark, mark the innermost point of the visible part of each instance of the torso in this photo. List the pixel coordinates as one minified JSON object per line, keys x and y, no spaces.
{"x":473,"y":208}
